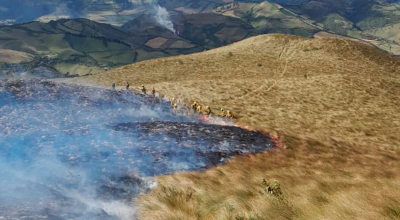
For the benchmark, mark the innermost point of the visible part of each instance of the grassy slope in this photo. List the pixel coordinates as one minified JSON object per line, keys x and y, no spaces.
{"x":266,"y":17}
{"x":339,"y":129}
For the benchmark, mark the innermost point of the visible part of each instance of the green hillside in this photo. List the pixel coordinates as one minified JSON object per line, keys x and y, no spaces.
{"x":268,"y":17}
{"x":81,"y":46}
{"x":373,"y":21}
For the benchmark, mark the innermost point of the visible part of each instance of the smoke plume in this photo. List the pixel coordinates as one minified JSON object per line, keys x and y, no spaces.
{"x":164,"y":19}
{"x":72,"y":152}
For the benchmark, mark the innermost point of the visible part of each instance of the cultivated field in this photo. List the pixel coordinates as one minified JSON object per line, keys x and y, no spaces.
{"x":333,"y":102}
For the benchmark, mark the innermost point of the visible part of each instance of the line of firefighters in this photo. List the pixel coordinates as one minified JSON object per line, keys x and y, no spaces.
{"x":197,"y":108}
{"x":144,"y":91}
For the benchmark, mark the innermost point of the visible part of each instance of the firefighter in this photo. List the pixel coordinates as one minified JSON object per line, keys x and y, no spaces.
{"x":172,"y":102}
{"x":208,"y":111}
{"x":113,"y":86}
{"x":153,"y":91}
{"x":174,"y":106}
{"x":229,"y":114}
{"x":223,"y":114}
{"x":127,"y":86}
{"x":143,"y":89}
{"x":194,"y":106}
{"x":199,"y":109}
{"x":276,"y":189}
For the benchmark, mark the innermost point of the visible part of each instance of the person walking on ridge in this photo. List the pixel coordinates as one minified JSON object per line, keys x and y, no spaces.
{"x":194,"y":106}
{"x":208,"y":111}
{"x":199,"y":110}
{"x":229,"y":115}
{"x":223,"y":114}
{"x":143,"y":89}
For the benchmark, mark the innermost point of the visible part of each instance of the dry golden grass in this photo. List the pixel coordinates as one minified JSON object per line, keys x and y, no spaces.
{"x":339,"y":127}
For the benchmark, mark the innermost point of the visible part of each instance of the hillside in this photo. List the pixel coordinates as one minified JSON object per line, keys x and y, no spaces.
{"x":375,"y":22}
{"x":115,"y":12}
{"x":208,"y":30}
{"x":338,"y":126}
{"x":213,"y":30}
{"x":268,"y":17}
{"x":108,"y":11}
{"x":81,"y":46}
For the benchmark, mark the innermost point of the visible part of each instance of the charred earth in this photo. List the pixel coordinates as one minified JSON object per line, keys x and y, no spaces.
{"x":73,"y":152}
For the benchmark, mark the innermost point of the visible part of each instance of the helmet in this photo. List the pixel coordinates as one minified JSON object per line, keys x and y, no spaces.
{"x":207,"y":107}
{"x":229,"y":111}
{"x":222,"y":109}
{"x":142,"y":84}
{"x":173,"y":99}
{"x":194,"y":102}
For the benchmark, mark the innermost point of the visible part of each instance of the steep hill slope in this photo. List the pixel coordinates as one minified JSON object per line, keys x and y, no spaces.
{"x":372,"y":21}
{"x":116,"y":12}
{"x":212,"y":30}
{"x":208,"y":30}
{"x":81,"y":46}
{"x":268,"y":17}
{"x":335,"y":104}
{"x":109,"y":11}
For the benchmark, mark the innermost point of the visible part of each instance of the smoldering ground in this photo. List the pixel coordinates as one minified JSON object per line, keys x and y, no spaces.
{"x":72,"y":152}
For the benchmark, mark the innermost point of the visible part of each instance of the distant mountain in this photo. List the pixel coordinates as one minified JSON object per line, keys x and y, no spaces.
{"x":375,"y":22}
{"x":268,"y":17}
{"x":81,"y":46}
{"x":212,"y":30}
{"x":208,"y":30}
{"x":116,"y":12}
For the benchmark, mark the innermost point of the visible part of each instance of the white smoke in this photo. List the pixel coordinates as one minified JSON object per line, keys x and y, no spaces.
{"x":163,"y":18}
{"x":113,"y":208}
